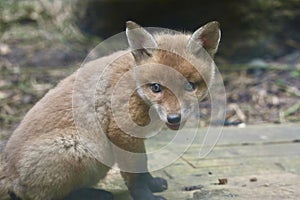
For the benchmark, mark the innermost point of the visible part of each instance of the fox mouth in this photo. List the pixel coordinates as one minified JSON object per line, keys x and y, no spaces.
{"x":173,"y":126}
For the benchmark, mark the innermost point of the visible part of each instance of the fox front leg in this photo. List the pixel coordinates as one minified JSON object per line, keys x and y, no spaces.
{"x":90,"y":194}
{"x":155,"y":184}
{"x":140,"y":185}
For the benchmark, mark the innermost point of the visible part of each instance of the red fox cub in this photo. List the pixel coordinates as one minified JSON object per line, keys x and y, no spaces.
{"x":49,"y":157}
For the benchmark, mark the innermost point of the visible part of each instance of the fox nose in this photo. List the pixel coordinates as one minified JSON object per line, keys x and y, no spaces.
{"x":174,"y":118}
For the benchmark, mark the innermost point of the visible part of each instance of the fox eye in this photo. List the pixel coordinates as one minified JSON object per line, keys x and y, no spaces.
{"x":156,"y":88}
{"x":189,"y":86}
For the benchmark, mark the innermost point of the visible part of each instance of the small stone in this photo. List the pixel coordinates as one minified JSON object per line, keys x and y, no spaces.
{"x":223,"y":181}
{"x":258,"y":63}
{"x":4,"y":49}
{"x":194,"y":187}
{"x":201,"y":195}
{"x":253,"y":179}
{"x":241,"y":125}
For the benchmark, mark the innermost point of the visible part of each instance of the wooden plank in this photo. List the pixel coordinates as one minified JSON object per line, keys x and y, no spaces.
{"x":235,"y":136}
{"x":268,"y":184}
{"x":260,"y":134}
{"x":272,"y":150}
{"x":283,"y":163}
{"x":213,"y":169}
{"x":272,"y":153}
{"x":267,"y":153}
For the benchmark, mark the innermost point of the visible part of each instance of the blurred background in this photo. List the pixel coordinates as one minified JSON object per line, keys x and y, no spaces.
{"x":43,"y":41}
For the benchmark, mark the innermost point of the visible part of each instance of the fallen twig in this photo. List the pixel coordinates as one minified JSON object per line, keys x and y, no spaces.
{"x":291,"y":110}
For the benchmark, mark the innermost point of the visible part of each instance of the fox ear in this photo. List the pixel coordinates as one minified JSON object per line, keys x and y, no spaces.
{"x":208,"y":37}
{"x":139,"y":41}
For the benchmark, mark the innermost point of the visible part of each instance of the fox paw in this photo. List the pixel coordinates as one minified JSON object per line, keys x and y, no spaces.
{"x":90,"y":193}
{"x":148,"y":197}
{"x":158,"y":184}
{"x":159,"y":198}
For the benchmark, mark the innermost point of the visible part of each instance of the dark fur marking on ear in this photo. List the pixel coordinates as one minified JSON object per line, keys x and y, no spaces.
{"x":141,"y":54}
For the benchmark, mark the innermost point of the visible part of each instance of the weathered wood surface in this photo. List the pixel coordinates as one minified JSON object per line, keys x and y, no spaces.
{"x":259,"y":162}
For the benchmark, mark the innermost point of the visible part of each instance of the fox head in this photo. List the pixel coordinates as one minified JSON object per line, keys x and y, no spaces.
{"x":173,"y":71}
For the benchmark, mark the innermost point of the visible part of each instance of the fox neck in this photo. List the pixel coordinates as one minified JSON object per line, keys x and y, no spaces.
{"x":139,"y":110}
